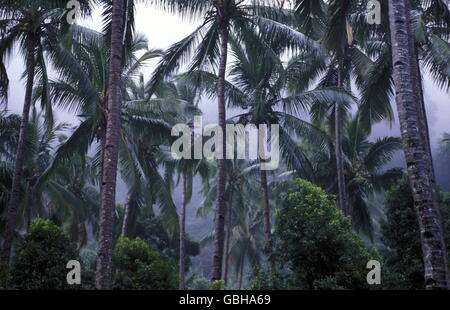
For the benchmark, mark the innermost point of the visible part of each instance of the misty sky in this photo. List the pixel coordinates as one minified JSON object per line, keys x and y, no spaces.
{"x":163,"y":29}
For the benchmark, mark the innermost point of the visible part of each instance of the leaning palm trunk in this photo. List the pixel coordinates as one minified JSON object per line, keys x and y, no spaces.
{"x":182,"y":284}
{"x":219,"y":224}
{"x":11,"y":216}
{"x":416,"y":149}
{"x":126,"y":216}
{"x":418,"y":85}
{"x":342,"y":189}
{"x":103,"y":275}
{"x":229,"y":232}
{"x":266,"y":215}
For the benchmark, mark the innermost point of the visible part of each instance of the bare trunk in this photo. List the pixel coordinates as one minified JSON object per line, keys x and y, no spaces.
{"x":219,"y":224}
{"x":14,"y":200}
{"x":182,"y":284}
{"x":103,"y":276}
{"x":126,"y":217}
{"x":241,"y":272}
{"x":416,"y":148}
{"x":421,"y":103}
{"x":229,"y":226}
{"x":266,"y":215}
{"x":342,"y":189}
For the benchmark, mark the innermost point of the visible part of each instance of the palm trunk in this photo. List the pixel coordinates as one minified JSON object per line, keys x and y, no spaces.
{"x":416,"y":149}
{"x":421,"y":103}
{"x":342,"y":189}
{"x":227,"y":247}
{"x":266,"y":215}
{"x":219,"y":224}
{"x":182,"y":284}
{"x":14,"y":200}
{"x":103,"y":275}
{"x":126,"y":216}
{"x":241,"y":272}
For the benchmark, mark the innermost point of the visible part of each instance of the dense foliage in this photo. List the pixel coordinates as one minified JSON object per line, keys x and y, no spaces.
{"x":401,"y":235}
{"x":41,"y":258}
{"x":314,"y":240}
{"x":138,"y":267}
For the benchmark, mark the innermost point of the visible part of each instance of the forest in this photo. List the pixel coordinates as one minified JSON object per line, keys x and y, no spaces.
{"x":278,"y":145}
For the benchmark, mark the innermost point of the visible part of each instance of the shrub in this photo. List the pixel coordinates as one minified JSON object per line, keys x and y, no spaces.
{"x":263,"y":280}
{"x":42,"y":256}
{"x":314,"y":239}
{"x":138,"y":267}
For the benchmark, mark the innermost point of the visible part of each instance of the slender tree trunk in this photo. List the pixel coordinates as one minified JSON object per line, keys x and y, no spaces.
{"x":342,"y":188}
{"x":241,"y":272}
{"x":103,"y":277}
{"x":266,"y":215}
{"x":416,"y":149}
{"x":126,"y":216}
{"x":183,"y":235}
{"x":229,"y":232}
{"x":14,"y":200}
{"x":219,"y":224}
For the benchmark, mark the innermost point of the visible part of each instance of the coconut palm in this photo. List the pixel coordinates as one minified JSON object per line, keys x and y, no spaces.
{"x":241,"y":188}
{"x":246,"y":242}
{"x":365,"y":171}
{"x":83,"y":87}
{"x":420,"y":168}
{"x":187,"y":169}
{"x":34,"y":25}
{"x":67,"y":196}
{"x":257,"y":85}
{"x":142,"y":153}
{"x":208,"y":45}
{"x":103,"y":276}
{"x":145,"y":123}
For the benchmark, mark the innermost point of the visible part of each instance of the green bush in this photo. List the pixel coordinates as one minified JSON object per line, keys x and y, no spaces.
{"x":42,"y":256}
{"x":401,"y":235}
{"x":263,"y":280}
{"x":137,"y":267}
{"x":314,"y":239}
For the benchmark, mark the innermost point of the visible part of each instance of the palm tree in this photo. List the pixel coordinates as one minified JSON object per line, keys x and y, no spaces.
{"x":416,"y":147}
{"x":34,"y":25}
{"x":365,"y":171}
{"x":146,"y":128}
{"x":103,"y":276}
{"x":67,"y":195}
{"x":178,"y":105}
{"x":186,"y":168}
{"x":86,"y":57}
{"x":246,"y":238}
{"x":240,"y":189}
{"x":257,"y":84}
{"x":209,"y":44}
{"x":218,"y":17}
